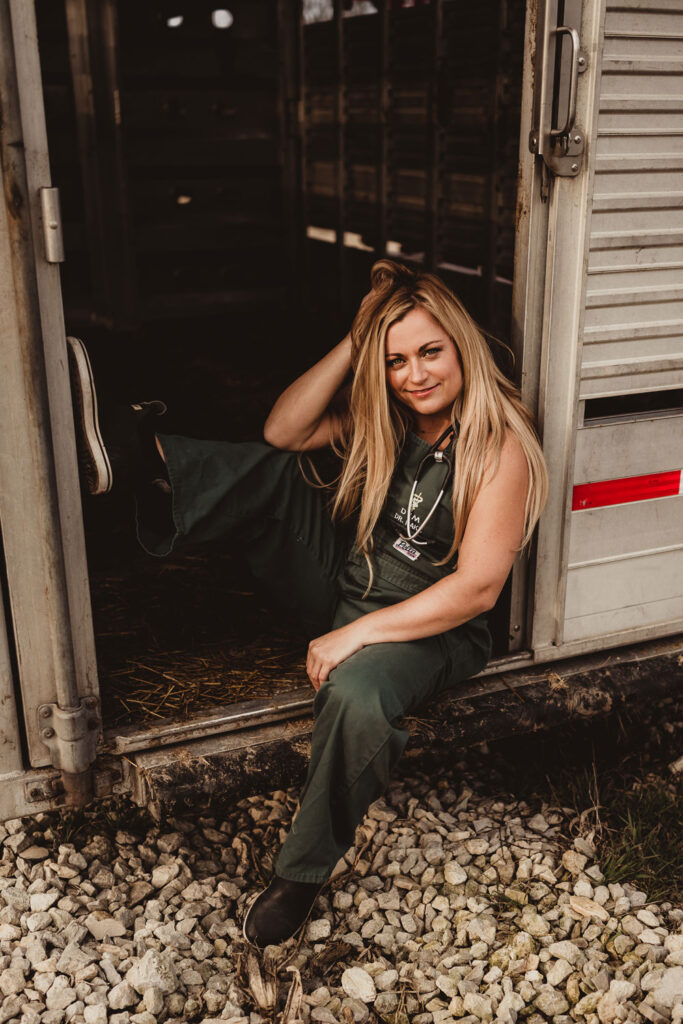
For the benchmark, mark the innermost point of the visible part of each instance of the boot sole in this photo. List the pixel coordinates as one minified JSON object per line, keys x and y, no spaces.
{"x":92,"y":453}
{"x":247,"y":911}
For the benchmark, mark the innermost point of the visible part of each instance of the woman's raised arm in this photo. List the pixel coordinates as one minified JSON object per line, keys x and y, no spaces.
{"x":303,"y":416}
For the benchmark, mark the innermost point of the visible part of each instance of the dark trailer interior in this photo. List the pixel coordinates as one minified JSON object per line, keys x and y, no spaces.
{"x":228,"y":175}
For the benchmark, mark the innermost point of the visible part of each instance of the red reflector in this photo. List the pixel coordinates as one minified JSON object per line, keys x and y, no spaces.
{"x":630,"y":488}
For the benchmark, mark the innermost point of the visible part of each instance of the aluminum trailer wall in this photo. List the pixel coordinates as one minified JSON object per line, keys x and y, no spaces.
{"x":625,"y":564}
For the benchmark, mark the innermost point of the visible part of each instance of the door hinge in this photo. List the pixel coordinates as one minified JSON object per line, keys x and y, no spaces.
{"x":52,"y":225}
{"x":71,"y":734}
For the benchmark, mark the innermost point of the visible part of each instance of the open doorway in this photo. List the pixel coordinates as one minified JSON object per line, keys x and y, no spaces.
{"x":228,"y":176}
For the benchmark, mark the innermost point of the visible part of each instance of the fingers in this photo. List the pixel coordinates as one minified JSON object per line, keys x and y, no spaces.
{"x":317,"y":667}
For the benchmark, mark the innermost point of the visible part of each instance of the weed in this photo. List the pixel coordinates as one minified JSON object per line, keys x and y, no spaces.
{"x":642,"y":841}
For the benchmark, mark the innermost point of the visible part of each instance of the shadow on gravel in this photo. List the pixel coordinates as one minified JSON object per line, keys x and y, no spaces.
{"x":614,"y":777}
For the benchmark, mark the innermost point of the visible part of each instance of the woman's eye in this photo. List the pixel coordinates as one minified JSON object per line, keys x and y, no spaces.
{"x":393,"y":363}
{"x":433,"y":351}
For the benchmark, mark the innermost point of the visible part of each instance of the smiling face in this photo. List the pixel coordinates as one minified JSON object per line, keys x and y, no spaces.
{"x":423,"y":369}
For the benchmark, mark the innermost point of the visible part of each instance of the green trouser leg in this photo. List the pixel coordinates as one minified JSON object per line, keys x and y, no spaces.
{"x":256,"y":498}
{"x":357,"y":740}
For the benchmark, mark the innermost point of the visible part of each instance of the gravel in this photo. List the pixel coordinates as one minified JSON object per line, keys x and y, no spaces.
{"x":460,"y":906}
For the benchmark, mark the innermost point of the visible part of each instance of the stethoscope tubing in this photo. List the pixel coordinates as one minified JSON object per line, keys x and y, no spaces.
{"x":438,"y":455}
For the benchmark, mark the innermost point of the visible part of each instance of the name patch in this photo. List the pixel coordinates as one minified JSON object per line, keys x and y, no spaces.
{"x":406,"y":549}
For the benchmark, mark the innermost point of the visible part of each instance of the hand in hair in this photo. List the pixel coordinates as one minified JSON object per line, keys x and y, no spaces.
{"x":306,"y":415}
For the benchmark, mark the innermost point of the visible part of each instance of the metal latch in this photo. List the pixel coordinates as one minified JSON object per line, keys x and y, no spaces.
{"x":561,"y":146}
{"x":71,"y":734}
{"x":52,"y":225}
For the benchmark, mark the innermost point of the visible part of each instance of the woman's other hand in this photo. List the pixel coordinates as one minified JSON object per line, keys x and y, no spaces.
{"x":330,"y":649}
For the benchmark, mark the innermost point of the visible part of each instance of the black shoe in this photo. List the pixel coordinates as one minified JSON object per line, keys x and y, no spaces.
{"x":116,"y":444}
{"x":279,"y":911}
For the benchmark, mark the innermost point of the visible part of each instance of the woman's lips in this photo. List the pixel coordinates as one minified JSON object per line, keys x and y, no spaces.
{"x":425,"y":391}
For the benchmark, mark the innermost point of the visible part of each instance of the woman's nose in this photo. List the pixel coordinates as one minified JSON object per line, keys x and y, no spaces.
{"x":418,"y":373}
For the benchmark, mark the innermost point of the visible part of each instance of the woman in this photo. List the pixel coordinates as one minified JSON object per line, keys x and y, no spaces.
{"x":442,"y":482}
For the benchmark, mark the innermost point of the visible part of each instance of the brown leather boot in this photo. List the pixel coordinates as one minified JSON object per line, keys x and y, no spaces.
{"x":279,"y":911}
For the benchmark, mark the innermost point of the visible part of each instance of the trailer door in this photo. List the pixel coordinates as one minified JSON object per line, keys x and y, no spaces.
{"x":47,"y":658}
{"x":605,"y":322}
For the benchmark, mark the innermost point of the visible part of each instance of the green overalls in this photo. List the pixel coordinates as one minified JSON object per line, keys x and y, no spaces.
{"x":259,"y":498}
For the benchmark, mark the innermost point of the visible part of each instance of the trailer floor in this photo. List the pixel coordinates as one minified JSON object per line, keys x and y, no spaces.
{"x":186,"y":634}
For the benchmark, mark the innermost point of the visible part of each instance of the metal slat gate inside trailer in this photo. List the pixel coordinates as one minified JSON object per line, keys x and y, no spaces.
{"x":610,"y":557}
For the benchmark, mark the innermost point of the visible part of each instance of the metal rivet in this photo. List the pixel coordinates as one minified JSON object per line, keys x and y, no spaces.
{"x":577,"y":138}
{"x":575,"y":168}
{"x":47,"y":734}
{"x":35,"y":793}
{"x":45,"y":711}
{"x":91,"y":702}
{"x":582,"y":61}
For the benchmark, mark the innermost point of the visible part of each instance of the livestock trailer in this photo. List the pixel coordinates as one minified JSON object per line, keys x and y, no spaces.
{"x":189,"y":187}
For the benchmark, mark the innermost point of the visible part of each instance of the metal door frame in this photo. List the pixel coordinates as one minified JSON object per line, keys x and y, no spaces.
{"x":40,"y":510}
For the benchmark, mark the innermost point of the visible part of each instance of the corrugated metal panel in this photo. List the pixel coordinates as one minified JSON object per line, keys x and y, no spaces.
{"x":625,"y":566}
{"x":646,"y":588}
{"x":633,"y":330}
{"x":608,"y":451}
{"x":625,"y":529}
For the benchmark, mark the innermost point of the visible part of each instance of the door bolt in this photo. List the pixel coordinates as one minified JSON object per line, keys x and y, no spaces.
{"x":45,"y":711}
{"x":47,"y":734}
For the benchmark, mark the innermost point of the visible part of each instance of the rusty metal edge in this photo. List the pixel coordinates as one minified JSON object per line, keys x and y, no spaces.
{"x":515,"y":673}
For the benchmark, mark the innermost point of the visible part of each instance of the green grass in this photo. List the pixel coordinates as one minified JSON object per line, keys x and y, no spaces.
{"x":642,"y":838}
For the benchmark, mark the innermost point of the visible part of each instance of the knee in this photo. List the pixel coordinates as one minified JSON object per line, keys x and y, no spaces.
{"x":351,"y":696}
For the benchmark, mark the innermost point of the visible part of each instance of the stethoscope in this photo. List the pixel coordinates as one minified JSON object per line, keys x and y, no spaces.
{"x":448,"y":459}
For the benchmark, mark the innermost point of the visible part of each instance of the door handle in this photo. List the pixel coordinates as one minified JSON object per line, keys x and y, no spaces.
{"x":556,"y":133}
{"x":556,"y":79}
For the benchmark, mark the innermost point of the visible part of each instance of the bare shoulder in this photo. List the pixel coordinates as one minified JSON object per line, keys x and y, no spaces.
{"x":511,"y":466}
{"x":512,"y":453}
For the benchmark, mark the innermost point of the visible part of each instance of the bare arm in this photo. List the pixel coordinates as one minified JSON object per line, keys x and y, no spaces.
{"x":492,"y":536}
{"x":303,"y":416}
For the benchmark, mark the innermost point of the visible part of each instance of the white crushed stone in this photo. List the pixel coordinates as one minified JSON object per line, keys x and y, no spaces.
{"x":461,"y":907}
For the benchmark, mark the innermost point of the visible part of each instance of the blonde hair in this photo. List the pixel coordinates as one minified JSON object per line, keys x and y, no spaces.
{"x":487,"y":406}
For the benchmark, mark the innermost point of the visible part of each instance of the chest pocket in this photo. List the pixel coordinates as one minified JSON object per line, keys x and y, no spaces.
{"x":431,"y":524}
{"x":402,"y":567}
